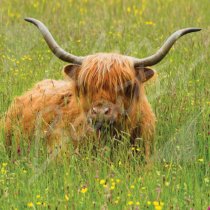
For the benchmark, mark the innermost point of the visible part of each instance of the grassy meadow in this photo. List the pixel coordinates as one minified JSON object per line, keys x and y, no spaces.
{"x":112,"y":178}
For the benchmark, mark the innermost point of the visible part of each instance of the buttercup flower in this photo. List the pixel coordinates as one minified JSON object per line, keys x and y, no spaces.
{"x":102,"y":181}
{"x":84,"y":190}
{"x":30,"y":204}
{"x":130,"y":203}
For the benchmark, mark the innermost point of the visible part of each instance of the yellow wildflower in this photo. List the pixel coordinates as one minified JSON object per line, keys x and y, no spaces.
{"x":149,"y":23}
{"x":156,"y":203}
{"x":118,"y":180}
{"x":38,"y":196}
{"x":132,"y":186}
{"x":137,"y":203}
{"x":112,"y":187}
{"x":38,"y":203}
{"x":84,"y":190}
{"x":158,"y":207}
{"x":102,"y":181}
{"x":66,"y":197}
{"x":3,"y":171}
{"x":167,"y":184}
{"x":148,"y":203}
{"x":4,"y":164}
{"x":30,"y":204}
{"x":130,"y":203}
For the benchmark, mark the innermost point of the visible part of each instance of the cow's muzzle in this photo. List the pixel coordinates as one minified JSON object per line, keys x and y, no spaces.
{"x":103,"y":114}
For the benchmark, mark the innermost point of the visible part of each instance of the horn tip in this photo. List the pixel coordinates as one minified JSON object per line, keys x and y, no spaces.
{"x":27,"y":19}
{"x":188,"y":30}
{"x":31,"y":20}
{"x":196,"y":29}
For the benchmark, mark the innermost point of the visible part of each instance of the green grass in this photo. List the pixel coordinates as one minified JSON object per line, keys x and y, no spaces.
{"x":180,"y":97}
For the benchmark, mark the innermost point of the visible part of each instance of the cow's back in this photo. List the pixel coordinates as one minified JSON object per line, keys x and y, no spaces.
{"x":48,"y":103}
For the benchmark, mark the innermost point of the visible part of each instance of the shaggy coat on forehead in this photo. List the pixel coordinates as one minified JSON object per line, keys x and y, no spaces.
{"x":106,"y":72}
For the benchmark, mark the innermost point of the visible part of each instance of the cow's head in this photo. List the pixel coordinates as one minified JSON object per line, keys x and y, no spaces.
{"x":109,"y":85}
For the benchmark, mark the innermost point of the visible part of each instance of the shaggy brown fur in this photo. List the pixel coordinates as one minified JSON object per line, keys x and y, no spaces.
{"x":62,"y":106}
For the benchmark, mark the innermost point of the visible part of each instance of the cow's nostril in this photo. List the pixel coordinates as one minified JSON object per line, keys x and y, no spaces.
{"x":94,"y":110}
{"x":106,"y":110}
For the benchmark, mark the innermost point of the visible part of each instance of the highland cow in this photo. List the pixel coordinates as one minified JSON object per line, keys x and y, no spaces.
{"x":103,"y":88}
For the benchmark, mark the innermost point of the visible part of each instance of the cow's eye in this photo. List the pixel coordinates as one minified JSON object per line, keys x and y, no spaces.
{"x":129,"y":91}
{"x":132,"y":91}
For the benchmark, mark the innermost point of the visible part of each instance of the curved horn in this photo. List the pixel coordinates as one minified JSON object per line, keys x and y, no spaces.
{"x":55,"y":48}
{"x":162,"y":52}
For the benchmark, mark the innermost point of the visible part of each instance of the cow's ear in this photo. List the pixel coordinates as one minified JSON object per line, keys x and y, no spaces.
{"x":144,"y":73}
{"x":71,"y":71}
